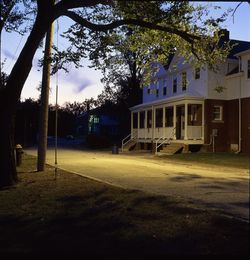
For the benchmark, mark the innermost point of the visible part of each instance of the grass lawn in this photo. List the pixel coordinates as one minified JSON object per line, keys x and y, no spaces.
{"x":75,"y":215}
{"x":241,"y":161}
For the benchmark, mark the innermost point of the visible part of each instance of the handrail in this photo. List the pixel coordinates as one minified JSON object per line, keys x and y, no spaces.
{"x":130,"y":138}
{"x":164,"y":140}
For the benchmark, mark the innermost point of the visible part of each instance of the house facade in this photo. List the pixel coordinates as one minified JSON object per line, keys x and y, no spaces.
{"x":197,"y":107}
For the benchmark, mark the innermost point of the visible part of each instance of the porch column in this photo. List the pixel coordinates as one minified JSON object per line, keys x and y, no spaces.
{"x":174,"y":122}
{"x":145,"y":124}
{"x":186,"y":122}
{"x":202,"y":121}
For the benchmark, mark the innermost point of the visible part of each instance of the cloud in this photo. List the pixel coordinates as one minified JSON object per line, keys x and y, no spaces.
{"x":84,"y":84}
{"x":79,"y":82}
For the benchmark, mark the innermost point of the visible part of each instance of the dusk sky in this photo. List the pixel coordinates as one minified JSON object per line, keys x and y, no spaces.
{"x":84,"y":83}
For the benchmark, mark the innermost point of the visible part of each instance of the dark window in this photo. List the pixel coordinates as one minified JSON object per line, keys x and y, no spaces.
{"x":157,"y":92}
{"x":142,"y":119}
{"x":184,"y":80}
{"x":164,"y":91}
{"x":197,"y":73}
{"x":159,"y":117}
{"x":149,"y":119}
{"x":148,"y":90}
{"x":169,"y":116}
{"x":135,"y":120}
{"x":175,"y":85}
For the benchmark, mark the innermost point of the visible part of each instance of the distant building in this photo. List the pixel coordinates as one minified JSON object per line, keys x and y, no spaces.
{"x":196,"y":107}
{"x":99,"y":122}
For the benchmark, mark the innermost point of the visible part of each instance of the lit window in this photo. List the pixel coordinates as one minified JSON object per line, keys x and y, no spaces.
{"x":96,"y":120}
{"x":217,"y":113}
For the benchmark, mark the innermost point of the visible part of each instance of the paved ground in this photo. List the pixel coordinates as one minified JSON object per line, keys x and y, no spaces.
{"x":216,"y":187}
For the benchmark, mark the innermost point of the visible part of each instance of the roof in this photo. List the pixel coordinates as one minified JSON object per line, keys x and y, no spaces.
{"x":240,"y":46}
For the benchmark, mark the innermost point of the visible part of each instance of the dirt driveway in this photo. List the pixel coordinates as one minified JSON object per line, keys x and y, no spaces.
{"x":221,"y":188}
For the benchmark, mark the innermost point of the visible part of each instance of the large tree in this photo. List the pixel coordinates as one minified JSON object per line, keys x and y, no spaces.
{"x":175,"y":22}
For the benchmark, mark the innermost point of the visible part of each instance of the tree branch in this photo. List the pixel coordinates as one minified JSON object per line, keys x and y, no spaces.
{"x":105,"y":27}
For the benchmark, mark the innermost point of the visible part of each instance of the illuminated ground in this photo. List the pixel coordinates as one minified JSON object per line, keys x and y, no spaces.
{"x":217,"y":187}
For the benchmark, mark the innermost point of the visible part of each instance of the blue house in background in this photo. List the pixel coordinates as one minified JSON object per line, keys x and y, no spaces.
{"x":100,"y":126}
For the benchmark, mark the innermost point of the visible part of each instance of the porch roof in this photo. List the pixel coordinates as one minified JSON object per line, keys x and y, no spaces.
{"x":184,"y":97}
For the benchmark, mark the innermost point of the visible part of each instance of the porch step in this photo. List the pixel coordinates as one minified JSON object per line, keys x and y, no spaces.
{"x":129,"y":145}
{"x":171,"y":148}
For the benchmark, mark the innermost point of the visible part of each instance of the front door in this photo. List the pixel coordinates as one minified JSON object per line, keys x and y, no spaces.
{"x":180,"y":122}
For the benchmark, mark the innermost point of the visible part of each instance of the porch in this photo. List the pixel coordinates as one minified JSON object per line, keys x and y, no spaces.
{"x":180,"y":121}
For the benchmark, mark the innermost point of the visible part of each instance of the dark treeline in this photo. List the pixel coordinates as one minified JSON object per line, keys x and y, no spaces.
{"x":27,"y":121}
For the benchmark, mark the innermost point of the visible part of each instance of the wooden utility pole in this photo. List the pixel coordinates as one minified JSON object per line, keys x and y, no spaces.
{"x":44,"y":105}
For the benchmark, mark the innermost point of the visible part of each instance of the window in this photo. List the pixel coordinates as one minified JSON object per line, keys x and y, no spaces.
{"x":148,"y":90}
{"x":159,"y":117}
{"x":149,"y":119}
{"x":175,"y":85}
{"x":169,"y":116}
{"x":193,"y":114}
{"x":248,"y":69}
{"x":96,"y":120}
{"x":142,"y":119}
{"x":197,"y":73}
{"x":157,"y":88}
{"x":164,"y":91}
{"x":217,"y":113}
{"x":184,"y":80}
{"x":135,"y":120}
{"x":157,"y":92}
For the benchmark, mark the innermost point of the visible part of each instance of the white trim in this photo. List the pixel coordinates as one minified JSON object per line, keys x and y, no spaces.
{"x":167,"y":101}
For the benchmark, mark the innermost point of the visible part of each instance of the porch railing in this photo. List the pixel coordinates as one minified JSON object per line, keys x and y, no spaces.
{"x":162,"y":140}
{"x":127,"y":139}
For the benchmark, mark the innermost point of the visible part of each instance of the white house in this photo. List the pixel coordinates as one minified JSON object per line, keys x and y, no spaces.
{"x":196,"y":107}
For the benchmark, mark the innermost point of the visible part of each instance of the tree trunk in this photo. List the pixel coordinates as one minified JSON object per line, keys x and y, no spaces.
{"x":10,"y":94}
{"x":8,"y":174}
